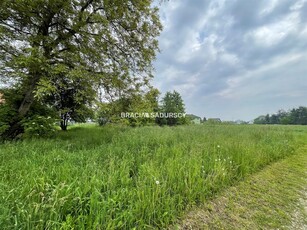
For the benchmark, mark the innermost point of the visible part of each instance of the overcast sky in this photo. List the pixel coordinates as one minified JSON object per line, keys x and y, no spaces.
{"x":234,"y":59}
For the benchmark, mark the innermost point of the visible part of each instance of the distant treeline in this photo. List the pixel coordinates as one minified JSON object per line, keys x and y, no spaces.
{"x":296,"y":116}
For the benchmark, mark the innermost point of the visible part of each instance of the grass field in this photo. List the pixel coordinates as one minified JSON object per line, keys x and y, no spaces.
{"x":273,"y":198}
{"x":123,"y":178}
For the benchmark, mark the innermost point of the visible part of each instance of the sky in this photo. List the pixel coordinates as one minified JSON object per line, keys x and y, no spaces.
{"x":234,"y":59}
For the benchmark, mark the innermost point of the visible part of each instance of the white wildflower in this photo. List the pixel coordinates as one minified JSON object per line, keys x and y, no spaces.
{"x":157,"y":182}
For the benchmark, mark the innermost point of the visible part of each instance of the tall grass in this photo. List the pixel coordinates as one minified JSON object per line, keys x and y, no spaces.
{"x":125,"y":178}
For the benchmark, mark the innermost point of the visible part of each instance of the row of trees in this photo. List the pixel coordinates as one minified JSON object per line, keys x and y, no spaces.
{"x":41,"y":117}
{"x":296,"y":116}
{"x":122,"y":110}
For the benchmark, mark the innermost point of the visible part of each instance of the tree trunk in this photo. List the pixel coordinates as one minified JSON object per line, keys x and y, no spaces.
{"x":63,"y":125}
{"x":13,"y":131}
{"x":16,"y":128}
{"x":27,"y":101}
{"x":64,"y":121}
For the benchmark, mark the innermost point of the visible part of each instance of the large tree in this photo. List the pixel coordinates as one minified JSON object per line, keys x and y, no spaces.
{"x":172,"y":103}
{"x":42,"y":41}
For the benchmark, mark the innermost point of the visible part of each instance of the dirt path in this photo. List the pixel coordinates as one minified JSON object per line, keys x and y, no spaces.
{"x":275,"y":198}
{"x":299,"y":215}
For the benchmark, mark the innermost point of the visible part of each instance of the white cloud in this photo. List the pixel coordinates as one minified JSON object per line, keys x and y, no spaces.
{"x":234,"y":59}
{"x":274,"y":72}
{"x":274,"y":33}
{"x":269,"y":7}
{"x":298,"y":5}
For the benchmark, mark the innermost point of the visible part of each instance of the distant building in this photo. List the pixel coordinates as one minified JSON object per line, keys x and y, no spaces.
{"x":214,"y":120}
{"x":196,"y":120}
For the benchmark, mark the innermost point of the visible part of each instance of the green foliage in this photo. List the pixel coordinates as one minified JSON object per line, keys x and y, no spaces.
{"x":109,"y":113}
{"x":124,"y":178}
{"x":62,"y":52}
{"x":82,"y":114}
{"x":212,"y":121}
{"x":296,"y":116}
{"x":172,"y":103}
{"x":8,"y":109}
{"x":103,"y":114}
{"x":9,"y":112}
{"x":136,"y":102}
{"x":5,"y":116}
{"x":39,"y":126}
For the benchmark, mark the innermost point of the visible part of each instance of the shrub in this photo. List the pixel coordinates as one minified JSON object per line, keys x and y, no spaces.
{"x":39,"y":126}
{"x":6,"y":115}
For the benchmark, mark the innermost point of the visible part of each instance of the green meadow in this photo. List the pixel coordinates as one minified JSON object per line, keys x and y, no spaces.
{"x":109,"y":177}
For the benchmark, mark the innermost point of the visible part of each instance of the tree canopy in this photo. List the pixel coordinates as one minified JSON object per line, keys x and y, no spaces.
{"x":295,"y":116}
{"x":138,"y":102}
{"x":45,"y":44}
{"x":173,"y":103}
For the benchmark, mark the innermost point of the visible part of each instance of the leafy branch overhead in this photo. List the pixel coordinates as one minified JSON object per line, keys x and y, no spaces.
{"x":98,"y":35}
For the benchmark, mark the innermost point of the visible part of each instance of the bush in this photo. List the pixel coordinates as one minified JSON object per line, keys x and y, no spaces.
{"x":40,"y":114}
{"x":6,"y":115}
{"x":39,"y":126}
